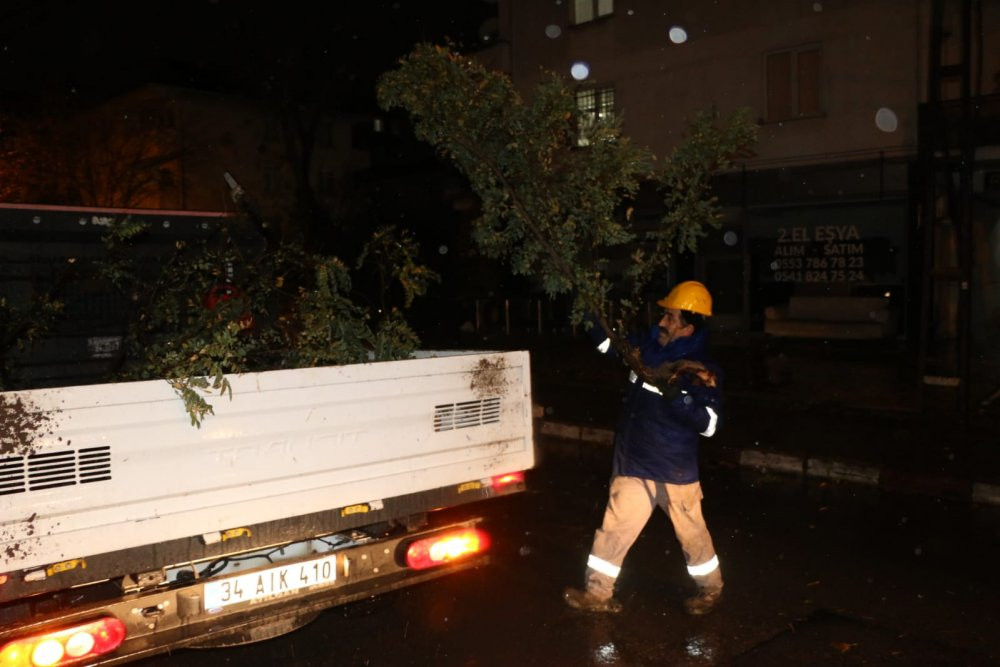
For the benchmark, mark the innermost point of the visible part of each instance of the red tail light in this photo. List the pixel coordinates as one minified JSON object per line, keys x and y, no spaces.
{"x":67,"y":646}
{"x":500,"y":481}
{"x":446,"y":548}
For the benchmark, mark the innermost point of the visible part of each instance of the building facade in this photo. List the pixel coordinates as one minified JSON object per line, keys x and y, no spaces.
{"x":186,"y":140}
{"x":845,"y":219}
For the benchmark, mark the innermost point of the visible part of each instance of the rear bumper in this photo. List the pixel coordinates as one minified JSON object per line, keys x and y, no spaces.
{"x":175,"y":617}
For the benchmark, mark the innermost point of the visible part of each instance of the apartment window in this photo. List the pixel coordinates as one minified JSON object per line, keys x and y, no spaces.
{"x":588,"y":10}
{"x":792,"y":79}
{"x":594,"y":104}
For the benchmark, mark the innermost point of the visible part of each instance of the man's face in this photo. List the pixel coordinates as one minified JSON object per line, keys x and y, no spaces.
{"x":673,"y":327}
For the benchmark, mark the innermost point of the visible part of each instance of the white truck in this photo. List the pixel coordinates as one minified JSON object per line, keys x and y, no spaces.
{"x":125,"y":531}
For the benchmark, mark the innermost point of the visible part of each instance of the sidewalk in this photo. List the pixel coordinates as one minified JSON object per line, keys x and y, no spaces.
{"x":842,"y":420}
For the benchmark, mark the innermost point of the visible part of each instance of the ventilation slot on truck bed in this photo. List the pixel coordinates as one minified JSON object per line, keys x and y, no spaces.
{"x":467,"y":414}
{"x":50,"y":470}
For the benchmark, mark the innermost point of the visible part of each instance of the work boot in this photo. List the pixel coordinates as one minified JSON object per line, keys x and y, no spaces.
{"x":586,"y":601}
{"x":703,"y":602}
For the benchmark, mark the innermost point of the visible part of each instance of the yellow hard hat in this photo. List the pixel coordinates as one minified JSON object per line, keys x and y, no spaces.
{"x":689,"y":295}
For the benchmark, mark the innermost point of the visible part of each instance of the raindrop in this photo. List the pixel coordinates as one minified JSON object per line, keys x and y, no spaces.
{"x":774,"y":267}
{"x":817,"y":6}
{"x":580,"y":70}
{"x":630,"y":12}
{"x":678,"y":35}
{"x":606,"y":654}
{"x":552,"y":31}
{"x":698,"y":647}
{"x":885,"y":120}
{"x":443,"y":250}
{"x":730,"y":238}
{"x":918,"y":551}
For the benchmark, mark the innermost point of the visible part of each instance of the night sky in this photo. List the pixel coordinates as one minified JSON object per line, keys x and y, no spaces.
{"x":69,"y":52}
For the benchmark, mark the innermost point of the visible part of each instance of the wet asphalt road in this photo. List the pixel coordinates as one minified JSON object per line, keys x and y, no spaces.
{"x":816,"y":574}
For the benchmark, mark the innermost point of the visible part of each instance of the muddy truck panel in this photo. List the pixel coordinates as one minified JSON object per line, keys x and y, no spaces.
{"x":115,"y":480}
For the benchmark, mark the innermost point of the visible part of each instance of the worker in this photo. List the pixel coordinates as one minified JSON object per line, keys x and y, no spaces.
{"x":656,"y":453}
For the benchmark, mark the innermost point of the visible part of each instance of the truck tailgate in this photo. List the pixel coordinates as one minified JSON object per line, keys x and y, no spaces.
{"x":120,"y":465}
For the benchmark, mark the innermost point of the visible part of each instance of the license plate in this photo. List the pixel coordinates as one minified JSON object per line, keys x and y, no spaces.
{"x":274,"y":581}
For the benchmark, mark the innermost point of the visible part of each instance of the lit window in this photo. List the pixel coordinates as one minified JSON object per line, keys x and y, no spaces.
{"x":588,"y":10}
{"x":594,"y":104}
{"x":792,"y":79}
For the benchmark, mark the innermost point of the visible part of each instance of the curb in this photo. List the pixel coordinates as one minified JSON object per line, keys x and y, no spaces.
{"x":887,"y":479}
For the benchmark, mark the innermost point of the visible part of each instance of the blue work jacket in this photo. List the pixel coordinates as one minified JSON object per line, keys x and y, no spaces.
{"x":658,"y":434}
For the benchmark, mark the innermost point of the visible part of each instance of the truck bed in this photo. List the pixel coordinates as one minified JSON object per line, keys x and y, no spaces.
{"x":120,"y":468}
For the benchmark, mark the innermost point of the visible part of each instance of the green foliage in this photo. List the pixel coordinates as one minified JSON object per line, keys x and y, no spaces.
{"x":20,"y":328}
{"x":546,"y":206}
{"x":230,"y":305}
{"x":395,"y":252}
{"x":554,"y":210}
{"x":707,"y":148}
{"x":332,"y":330}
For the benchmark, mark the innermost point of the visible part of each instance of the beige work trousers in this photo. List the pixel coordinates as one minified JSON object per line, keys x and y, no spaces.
{"x":630,"y":504}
